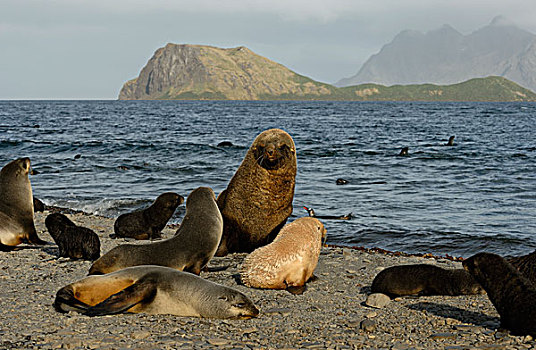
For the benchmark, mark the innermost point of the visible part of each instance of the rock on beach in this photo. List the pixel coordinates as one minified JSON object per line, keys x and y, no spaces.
{"x":329,"y":315}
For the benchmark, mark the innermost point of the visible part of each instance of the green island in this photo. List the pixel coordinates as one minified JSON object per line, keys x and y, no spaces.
{"x":197,"y":72}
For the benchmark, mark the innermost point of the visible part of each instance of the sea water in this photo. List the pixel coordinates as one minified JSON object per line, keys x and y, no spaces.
{"x":110,"y":157}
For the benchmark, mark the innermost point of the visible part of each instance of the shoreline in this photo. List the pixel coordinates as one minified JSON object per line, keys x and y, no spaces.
{"x":329,"y":315}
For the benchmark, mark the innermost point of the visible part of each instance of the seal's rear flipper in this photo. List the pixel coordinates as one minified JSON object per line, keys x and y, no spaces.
{"x":65,"y":301}
{"x":143,"y":290}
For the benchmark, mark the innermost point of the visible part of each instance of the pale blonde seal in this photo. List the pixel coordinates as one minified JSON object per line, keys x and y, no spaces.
{"x":289,"y":261}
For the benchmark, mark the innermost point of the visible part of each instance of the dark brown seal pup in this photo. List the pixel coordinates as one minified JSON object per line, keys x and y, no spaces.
{"x":16,"y":205}
{"x":153,"y":290}
{"x":525,"y":264}
{"x":258,"y":199}
{"x":190,"y":249}
{"x":424,"y":279}
{"x":289,"y":261}
{"x":513,"y":295}
{"x":75,"y":242}
{"x":404,"y":152}
{"x":148,"y":223}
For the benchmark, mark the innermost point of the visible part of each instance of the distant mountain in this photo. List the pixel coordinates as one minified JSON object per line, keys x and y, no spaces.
{"x":193,"y":72}
{"x":206,"y":72}
{"x":445,"y":56}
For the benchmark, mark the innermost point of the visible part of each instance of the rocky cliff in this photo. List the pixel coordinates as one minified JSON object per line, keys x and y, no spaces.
{"x":445,"y":56}
{"x":205,"y":72}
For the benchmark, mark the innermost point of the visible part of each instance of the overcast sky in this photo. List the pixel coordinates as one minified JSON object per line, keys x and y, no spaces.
{"x":54,"y":49}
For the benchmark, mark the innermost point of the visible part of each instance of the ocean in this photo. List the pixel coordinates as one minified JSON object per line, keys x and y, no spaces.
{"x":110,"y":157}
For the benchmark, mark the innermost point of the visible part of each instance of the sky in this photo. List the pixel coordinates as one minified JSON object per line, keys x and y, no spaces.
{"x":78,"y":49}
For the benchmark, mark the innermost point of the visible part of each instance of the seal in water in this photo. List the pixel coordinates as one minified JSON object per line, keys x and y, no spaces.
{"x":312,"y":214}
{"x":341,"y":182}
{"x":193,"y":245}
{"x":75,"y":242}
{"x":258,"y":199}
{"x":404,"y":152}
{"x":451,"y":141}
{"x":153,"y":290}
{"x":289,"y":261}
{"x":513,"y":295}
{"x":424,"y":279}
{"x":16,"y":206}
{"x":148,"y":223}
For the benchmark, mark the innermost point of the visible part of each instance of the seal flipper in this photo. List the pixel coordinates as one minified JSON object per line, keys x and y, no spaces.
{"x":143,"y":290}
{"x":33,"y":239}
{"x":65,"y":301}
{"x":296,"y":290}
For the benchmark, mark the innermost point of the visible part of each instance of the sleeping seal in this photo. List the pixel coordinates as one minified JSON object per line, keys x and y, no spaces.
{"x":153,"y":290}
{"x":190,"y":249}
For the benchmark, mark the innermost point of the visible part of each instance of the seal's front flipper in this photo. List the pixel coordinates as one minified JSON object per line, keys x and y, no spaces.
{"x":65,"y":301}
{"x":297,"y":290}
{"x":143,"y":290}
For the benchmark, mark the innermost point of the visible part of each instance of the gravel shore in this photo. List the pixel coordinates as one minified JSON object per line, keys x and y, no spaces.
{"x":330,"y":314}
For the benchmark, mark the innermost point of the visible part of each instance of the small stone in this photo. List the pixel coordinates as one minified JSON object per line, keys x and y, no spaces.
{"x":371,"y":314}
{"x":443,"y":336}
{"x":282,"y":311}
{"x":377,"y":300}
{"x":368,"y":325}
{"x":140,"y":335}
{"x":249,"y":330}
{"x":527,"y":339}
{"x":218,"y":341}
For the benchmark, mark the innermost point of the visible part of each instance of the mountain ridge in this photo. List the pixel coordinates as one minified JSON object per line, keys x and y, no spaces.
{"x":200,"y":72}
{"x":445,"y":56}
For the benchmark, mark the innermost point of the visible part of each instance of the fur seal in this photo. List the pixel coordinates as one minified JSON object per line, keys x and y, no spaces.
{"x":153,"y":290}
{"x":148,"y":223}
{"x":193,"y":245}
{"x":404,"y":152}
{"x":424,"y":279}
{"x":258,"y":199}
{"x":289,"y":261}
{"x":513,"y":295}
{"x":341,"y":181}
{"x":451,"y":141}
{"x":73,"y":241}
{"x":526,"y":264}
{"x":39,"y":206}
{"x":312,"y":214}
{"x":16,"y":205}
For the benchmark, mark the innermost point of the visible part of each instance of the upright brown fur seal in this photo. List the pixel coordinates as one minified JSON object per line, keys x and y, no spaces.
{"x":75,"y":242}
{"x":513,"y":295}
{"x":258,"y":199}
{"x":153,"y":290}
{"x":424,"y":279}
{"x":148,"y":223}
{"x":289,"y":261}
{"x":190,"y":249}
{"x":16,"y":205}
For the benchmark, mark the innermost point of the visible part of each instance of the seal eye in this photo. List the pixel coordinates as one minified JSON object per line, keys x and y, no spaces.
{"x":239,"y":305}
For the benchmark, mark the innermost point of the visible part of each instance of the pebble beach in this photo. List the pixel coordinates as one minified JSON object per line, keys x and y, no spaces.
{"x":331,"y":314}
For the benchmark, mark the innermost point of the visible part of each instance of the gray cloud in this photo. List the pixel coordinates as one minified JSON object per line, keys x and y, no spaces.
{"x":88,"y":49}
